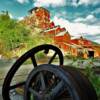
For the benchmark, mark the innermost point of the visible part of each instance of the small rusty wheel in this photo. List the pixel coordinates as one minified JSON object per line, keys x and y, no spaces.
{"x":83,"y":82}
{"x":40,"y":87}
{"x":7,"y":87}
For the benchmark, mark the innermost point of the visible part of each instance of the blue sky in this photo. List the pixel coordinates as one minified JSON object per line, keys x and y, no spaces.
{"x":79,"y":17}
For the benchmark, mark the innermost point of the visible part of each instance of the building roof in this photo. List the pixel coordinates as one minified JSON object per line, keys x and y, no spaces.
{"x":85,"y":42}
{"x":30,"y":11}
{"x":61,"y":33}
{"x":54,"y":28}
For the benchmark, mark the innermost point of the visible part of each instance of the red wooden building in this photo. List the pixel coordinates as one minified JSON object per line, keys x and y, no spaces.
{"x":40,"y":17}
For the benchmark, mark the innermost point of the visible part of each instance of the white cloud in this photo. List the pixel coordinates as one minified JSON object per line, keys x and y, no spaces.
{"x":11,"y":16}
{"x":88,"y":19}
{"x":84,"y":2}
{"x":48,"y":3}
{"x":87,"y":2}
{"x":61,"y":14}
{"x":96,"y":11}
{"x":79,"y":19}
{"x":23,"y":1}
{"x":74,"y":3}
{"x":77,"y":29}
{"x":98,"y":40}
{"x":20,"y":18}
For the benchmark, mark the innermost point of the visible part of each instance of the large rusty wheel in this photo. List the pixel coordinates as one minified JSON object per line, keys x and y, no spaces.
{"x":61,"y":86}
{"x":7,"y":87}
{"x":83,"y":82}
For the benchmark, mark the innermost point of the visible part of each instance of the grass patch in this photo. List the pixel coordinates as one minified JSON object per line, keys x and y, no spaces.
{"x":94,"y":79}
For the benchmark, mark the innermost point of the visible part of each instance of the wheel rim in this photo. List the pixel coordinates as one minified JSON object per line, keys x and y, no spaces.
{"x":57,"y":87}
{"x":30,"y":54}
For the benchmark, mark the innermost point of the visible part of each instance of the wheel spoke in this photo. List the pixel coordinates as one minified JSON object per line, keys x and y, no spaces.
{"x":34,"y":61}
{"x":52,"y":58}
{"x":34,"y":92}
{"x":43,"y":86}
{"x":16,"y":85}
{"x":57,"y":88}
{"x":46,"y":51}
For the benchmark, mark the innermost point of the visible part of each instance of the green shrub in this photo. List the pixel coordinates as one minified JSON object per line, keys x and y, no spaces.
{"x":94,"y":79}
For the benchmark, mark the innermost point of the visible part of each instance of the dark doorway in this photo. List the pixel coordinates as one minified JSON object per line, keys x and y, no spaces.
{"x":90,"y":54}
